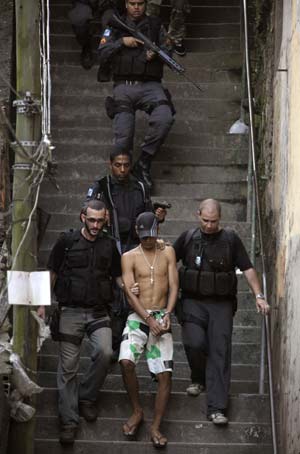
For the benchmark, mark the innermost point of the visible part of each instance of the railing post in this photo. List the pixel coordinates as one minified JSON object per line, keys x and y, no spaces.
{"x":266,"y":337}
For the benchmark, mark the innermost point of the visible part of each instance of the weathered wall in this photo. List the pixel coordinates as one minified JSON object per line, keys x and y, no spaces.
{"x":280,"y":140}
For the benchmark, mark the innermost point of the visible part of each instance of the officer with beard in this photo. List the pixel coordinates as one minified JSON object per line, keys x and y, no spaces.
{"x":208,"y":283}
{"x":82,"y":264}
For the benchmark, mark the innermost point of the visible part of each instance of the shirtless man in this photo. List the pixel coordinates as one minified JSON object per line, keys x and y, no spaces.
{"x":154,"y":270}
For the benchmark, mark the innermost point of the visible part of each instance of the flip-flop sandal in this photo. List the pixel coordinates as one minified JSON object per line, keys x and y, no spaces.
{"x":130,"y":432}
{"x":157,"y":441}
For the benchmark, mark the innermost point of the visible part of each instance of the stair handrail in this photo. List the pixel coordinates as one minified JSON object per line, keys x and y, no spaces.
{"x":265,"y":336}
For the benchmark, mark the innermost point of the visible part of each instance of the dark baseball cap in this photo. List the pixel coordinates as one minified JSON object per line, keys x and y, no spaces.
{"x":146,"y":225}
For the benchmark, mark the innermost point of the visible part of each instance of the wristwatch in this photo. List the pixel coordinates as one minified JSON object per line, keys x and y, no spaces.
{"x":260,"y":296}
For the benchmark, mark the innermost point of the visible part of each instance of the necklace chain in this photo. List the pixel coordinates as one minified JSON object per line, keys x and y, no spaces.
{"x":149,"y":264}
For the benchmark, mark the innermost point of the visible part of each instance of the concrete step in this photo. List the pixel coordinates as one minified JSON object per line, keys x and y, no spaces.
{"x":242,"y":353}
{"x":209,"y":61}
{"x":178,"y":88}
{"x":200,"y":13}
{"x":105,"y":429}
{"x":208,"y":108}
{"x":67,"y":42}
{"x":239,"y":372}
{"x":246,"y":408}
{"x":194,"y":30}
{"x":202,"y":68}
{"x":113,"y":382}
{"x":167,"y":2}
{"x":162,"y":190}
{"x":172,"y":172}
{"x":64,"y":118}
{"x":53,"y":447}
{"x":104,"y":137}
{"x":237,"y":155}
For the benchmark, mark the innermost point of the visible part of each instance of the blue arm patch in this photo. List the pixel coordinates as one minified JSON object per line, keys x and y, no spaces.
{"x":107,"y":32}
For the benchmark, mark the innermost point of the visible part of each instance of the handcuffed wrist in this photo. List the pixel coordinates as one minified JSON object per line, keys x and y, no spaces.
{"x":146,"y":318}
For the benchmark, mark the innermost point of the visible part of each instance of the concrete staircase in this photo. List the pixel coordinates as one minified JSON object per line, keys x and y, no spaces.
{"x":198,"y":160}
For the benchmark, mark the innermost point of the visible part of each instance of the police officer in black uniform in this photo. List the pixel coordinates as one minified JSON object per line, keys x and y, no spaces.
{"x":137,"y":75}
{"x":82,"y":264}
{"x":81,"y":15}
{"x":208,"y":283}
{"x":125,"y":197}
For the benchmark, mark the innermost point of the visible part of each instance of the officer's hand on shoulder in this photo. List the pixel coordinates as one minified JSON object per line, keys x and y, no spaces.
{"x":162,"y":244}
{"x":130,"y":41}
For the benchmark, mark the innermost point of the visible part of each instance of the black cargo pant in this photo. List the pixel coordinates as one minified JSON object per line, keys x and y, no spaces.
{"x":81,"y":16}
{"x":137,"y":96}
{"x":206,"y":335}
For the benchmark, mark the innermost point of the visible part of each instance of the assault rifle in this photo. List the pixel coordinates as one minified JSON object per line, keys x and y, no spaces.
{"x":117,"y":22}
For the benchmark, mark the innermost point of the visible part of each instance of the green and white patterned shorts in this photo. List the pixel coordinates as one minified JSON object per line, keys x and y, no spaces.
{"x":137,"y":337}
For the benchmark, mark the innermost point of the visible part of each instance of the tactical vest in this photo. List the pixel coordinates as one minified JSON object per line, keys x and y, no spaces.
{"x":84,"y":278}
{"x":208,"y":269}
{"x":130,"y":63}
{"x":122,"y":228}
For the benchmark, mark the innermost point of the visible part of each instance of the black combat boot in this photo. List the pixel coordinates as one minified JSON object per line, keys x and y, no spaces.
{"x":87,"y":57}
{"x":141,"y":169}
{"x":179,"y":48}
{"x":88,"y":410}
{"x":67,"y":435}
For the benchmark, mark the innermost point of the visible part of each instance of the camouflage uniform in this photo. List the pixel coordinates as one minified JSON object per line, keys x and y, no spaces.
{"x":180,"y":8}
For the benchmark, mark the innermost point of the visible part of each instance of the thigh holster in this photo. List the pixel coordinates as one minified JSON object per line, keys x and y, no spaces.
{"x":149,"y":108}
{"x":113,"y":107}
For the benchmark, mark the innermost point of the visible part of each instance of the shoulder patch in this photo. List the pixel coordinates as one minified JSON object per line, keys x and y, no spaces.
{"x":107,"y":32}
{"x":90,"y":192}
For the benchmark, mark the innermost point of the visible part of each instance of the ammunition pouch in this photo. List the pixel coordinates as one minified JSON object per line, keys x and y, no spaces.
{"x":198,"y":283}
{"x":104,"y":73}
{"x":113,"y":107}
{"x":54,"y":324}
{"x":106,"y":291}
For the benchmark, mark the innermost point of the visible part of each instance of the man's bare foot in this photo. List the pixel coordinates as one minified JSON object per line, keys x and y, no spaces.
{"x":159,"y":441}
{"x":131,"y":427}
